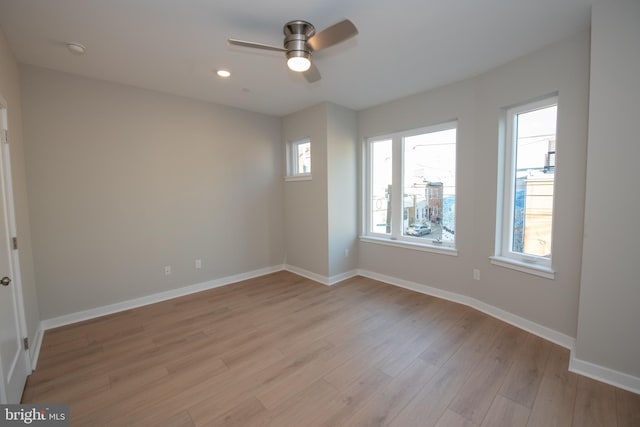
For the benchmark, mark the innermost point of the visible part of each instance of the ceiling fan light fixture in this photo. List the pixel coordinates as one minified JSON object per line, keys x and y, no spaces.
{"x":299,"y":61}
{"x":300,"y":40}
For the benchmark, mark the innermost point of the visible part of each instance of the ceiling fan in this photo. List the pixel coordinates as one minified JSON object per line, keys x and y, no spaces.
{"x":301,"y":40}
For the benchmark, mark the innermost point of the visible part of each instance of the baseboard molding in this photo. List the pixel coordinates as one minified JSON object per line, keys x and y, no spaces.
{"x":606,"y":375}
{"x":327,"y":281}
{"x":306,"y":273}
{"x":337,"y":278}
{"x":151,"y":299}
{"x":36,"y":345}
{"x":588,"y":369}
{"x":517,"y":321}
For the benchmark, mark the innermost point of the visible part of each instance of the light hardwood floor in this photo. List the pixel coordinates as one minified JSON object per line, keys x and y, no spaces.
{"x":282,"y":350}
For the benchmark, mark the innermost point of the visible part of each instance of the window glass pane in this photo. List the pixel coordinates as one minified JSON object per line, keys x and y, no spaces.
{"x":303,"y":157}
{"x":381,"y":169}
{"x":535,"y":148}
{"x":429,"y":182}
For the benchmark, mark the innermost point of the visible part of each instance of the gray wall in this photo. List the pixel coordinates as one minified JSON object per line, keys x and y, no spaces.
{"x":610,"y":291}
{"x":305,"y":202}
{"x":10,"y":91}
{"x":562,"y":67}
{"x":342,"y":186}
{"x":124,"y":181}
{"x":321,"y":214}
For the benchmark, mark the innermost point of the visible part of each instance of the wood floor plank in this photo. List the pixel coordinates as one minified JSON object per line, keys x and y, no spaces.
{"x":385,"y":404}
{"x":628,"y":408}
{"x":236,"y":383}
{"x":247,"y":413}
{"x":283,"y":350}
{"x":428,"y":406}
{"x":181,"y":419}
{"x":555,"y":400}
{"x":523,"y":380}
{"x":345,"y":374}
{"x":453,"y":335}
{"x":305,"y":408}
{"x":479,"y":390}
{"x":453,"y":419}
{"x":430,"y":325}
{"x":73,"y":389}
{"x":353,"y":398}
{"x":506,"y":413}
{"x":595,"y":404}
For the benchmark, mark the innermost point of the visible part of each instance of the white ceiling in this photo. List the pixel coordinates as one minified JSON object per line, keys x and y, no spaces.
{"x":174,"y":46}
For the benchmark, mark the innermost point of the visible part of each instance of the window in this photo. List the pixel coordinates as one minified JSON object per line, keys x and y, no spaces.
{"x":525,"y":219}
{"x":381,"y":180}
{"x":299,"y":159}
{"x":422,"y":165}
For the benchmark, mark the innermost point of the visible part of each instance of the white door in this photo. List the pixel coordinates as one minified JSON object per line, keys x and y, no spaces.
{"x":14,"y":359}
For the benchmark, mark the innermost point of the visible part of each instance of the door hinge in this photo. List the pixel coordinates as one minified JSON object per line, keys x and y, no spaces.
{"x":5,"y":136}
{"x":14,"y":242}
{"x":26,"y":343}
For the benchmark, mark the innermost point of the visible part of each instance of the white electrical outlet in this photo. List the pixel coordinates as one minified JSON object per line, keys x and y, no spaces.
{"x":476,"y":274}
{"x":167,"y":270}
{"x":346,"y":253}
{"x":198,"y":264}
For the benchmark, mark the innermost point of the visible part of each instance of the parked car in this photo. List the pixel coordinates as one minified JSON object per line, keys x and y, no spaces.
{"x":418,"y":230}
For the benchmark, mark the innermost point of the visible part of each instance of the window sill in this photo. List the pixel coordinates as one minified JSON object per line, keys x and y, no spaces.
{"x":536,"y":270}
{"x":444,"y":250}
{"x":298,"y":178}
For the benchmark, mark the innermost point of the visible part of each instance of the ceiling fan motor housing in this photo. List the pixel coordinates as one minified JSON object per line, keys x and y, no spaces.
{"x":296,"y":35}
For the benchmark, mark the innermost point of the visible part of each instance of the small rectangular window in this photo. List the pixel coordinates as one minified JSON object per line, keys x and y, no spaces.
{"x":299,"y":159}
{"x":527,"y":193}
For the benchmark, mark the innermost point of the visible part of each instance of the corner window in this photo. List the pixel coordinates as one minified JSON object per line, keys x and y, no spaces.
{"x":299,"y":160}
{"x":526,"y":196}
{"x":411,"y":186}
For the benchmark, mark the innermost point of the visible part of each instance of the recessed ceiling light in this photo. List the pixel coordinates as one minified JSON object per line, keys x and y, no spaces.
{"x":223,"y":73}
{"x":76,"y":48}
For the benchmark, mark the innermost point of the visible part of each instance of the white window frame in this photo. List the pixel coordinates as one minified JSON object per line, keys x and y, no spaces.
{"x":504,"y":256}
{"x":292,"y":164}
{"x":396,"y":237}
{"x":369,"y":184}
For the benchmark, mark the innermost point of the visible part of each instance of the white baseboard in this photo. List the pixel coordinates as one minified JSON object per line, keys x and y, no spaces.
{"x":588,"y":369}
{"x":337,"y":278}
{"x":306,"y":273}
{"x":92,"y":313}
{"x":605,"y":375}
{"x":151,"y":299}
{"x":36,"y":345}
{"x":328,"y":281}
{"x":517,"y":321}
{"x":597,"y":372}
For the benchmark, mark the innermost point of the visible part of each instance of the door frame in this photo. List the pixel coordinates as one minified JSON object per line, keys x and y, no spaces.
{"x":14,"y":258}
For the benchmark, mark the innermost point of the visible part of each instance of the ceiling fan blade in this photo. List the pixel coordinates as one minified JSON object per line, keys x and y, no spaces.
{"x":255,"y":45}
{"x":312,"y":74}
{"x":334,"y":34}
